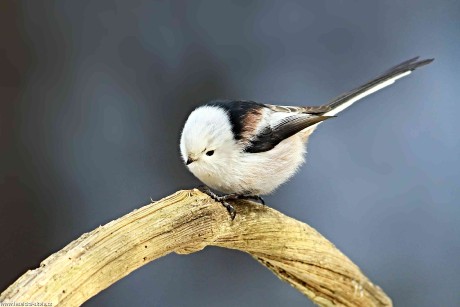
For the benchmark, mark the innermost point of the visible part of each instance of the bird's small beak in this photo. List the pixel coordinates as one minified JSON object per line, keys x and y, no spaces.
{"x":189,"y":160}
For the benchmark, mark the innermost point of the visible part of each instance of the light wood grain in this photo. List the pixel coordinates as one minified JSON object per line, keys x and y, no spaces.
{"x":186,"y":222}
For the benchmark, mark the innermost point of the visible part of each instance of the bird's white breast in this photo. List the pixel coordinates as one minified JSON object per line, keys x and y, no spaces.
{"x":255,"y":173}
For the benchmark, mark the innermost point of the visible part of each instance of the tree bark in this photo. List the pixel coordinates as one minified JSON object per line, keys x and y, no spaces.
{"x":186,"y":222}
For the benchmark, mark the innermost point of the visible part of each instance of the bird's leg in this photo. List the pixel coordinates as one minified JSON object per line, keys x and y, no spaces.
{"x":221,"y":199}
{"x":233,"y":196}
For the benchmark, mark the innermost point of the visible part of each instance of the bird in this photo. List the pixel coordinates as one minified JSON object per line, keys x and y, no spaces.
{"x":246,"y":149}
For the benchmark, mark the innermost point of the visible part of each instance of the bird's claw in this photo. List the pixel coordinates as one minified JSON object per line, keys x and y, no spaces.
{"x":230,"y":209}
{"x":220,"y":199}
{"x":223,"y":199}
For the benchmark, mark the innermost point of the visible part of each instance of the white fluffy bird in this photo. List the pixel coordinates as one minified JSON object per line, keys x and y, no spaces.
{"x":246,"y":149}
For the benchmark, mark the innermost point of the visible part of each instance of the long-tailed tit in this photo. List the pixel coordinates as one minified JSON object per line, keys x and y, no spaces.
{"x":246,"y":149}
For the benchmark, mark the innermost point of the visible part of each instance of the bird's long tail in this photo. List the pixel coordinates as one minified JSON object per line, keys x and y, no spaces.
{"x":345,"y":100}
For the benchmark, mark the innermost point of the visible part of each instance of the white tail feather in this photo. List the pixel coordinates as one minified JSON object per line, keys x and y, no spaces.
{"x":374,"y":89}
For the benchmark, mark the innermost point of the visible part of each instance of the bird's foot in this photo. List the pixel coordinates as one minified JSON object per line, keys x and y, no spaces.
{"x":234,"y":196}
{"x":220,"y":199}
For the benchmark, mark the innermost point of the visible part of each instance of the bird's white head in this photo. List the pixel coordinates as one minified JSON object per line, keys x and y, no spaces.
{"x":207,"y":143}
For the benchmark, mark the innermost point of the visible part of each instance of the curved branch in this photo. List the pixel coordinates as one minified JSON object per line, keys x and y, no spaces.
{"x":186,"y":222}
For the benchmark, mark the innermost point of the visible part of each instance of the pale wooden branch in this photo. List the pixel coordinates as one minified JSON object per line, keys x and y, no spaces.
{"x":186,"y":222}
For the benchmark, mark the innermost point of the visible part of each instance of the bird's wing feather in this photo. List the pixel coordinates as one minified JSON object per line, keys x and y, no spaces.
{"x":281,"y":128}
{"x":294,"y":109}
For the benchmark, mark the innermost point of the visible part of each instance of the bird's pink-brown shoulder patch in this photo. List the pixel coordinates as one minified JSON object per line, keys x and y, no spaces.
{"x":251,"y":122}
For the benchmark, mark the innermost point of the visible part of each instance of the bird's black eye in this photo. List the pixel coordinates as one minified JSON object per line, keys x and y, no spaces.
{"x":210,"y":152}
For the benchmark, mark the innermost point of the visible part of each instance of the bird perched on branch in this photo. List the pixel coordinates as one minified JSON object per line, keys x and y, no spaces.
{"x":246,"y":149}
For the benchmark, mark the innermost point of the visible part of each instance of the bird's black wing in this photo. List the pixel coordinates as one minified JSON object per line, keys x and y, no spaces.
{"x":272,"y":135}
{"x":296,"y":109}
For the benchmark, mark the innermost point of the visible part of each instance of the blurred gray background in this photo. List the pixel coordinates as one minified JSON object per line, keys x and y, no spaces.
{"x":93,"y":95}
